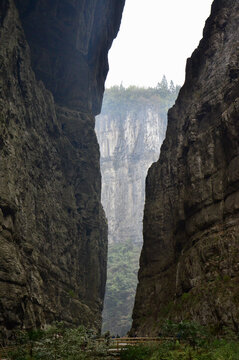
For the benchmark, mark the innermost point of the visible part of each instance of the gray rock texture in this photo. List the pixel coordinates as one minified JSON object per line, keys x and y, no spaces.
{"x":53,"y":232}
{"x":69,"y":41}
{"x":190,"y":258}
{"x":129,"y":142}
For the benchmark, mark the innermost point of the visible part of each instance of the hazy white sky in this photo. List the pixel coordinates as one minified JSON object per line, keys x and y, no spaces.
{"x":156,"y":38}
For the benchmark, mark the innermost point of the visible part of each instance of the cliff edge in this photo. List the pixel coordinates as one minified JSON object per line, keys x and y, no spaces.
{"x":53,"y":232}
{"x":190,"y":259}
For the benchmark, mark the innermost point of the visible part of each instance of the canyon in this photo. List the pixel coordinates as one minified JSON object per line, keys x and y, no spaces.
{"x":53,"y":229}
{"x":130,"y":131}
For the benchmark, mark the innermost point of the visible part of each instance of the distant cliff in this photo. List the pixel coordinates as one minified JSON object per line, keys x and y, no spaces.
{"x":53,"y":233}
{"x":189,"y":262}
{"x":130,"y":131}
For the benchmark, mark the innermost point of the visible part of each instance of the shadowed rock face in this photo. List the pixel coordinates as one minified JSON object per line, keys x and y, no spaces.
{"x":190,"y":259}
{"x":53,"y":233}
{"x":69,"y":41}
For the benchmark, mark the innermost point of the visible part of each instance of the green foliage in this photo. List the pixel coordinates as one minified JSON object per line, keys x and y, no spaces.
{"x":189,"y":341}
{"x":123,"y":263}
{"x":185,"y":296}
{"x":139,"y":352}
{"x":58,"y":342}
{"x":119,"y":101}
{"x":187,"y":331}
{"x":223,"y":350}
{"x":217,"y":350}
{"x":72,"y":294}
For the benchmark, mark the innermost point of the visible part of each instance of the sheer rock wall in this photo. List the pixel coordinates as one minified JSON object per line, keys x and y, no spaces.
{"x":190,"y":258}
{"x":53,"y":232}
{"x":129,"y":143}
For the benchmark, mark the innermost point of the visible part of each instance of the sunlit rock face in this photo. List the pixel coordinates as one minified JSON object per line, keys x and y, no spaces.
{"x":189,"y":262}
{"x":129,"y":144}
{"x":53,"y":233}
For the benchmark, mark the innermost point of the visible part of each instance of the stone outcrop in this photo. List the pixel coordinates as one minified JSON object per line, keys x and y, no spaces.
{"x":129,"y":142}
{"x":190,"y":259}
{"x":53,"y":232}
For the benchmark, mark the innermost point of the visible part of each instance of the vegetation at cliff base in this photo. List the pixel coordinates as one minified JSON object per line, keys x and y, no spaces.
{"x":57,"y":342}
{"x":187,"y":340}
{"x":123,"y":263}
{"x":217,"y":350}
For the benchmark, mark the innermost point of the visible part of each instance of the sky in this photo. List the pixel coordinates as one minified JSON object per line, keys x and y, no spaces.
{"x":155,"y":38}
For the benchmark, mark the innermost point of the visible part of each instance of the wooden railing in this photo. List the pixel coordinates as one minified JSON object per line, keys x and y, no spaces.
{"x":118,"y":344}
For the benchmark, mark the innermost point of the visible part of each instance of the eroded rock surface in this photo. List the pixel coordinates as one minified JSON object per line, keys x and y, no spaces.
{"x":129,"y":142}
{"x":53,"y":233}
{"x":190,"y":257}
{"x":69,"y":41}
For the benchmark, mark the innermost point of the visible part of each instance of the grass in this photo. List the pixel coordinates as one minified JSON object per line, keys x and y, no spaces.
{"x":217,"y":350}
{"x":189,"y":341}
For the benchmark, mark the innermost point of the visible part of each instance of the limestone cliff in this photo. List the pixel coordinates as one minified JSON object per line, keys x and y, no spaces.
{"x":53,"y":233}
{"x":130,"y":141}
{"x":190,"y":258}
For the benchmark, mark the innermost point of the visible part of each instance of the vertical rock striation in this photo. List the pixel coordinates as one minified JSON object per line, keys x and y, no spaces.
{"x":190,"y":258}
{"x":53,"y":233}
{"x":129,"y":142}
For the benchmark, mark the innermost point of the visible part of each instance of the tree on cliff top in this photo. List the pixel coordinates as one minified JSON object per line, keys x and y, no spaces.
{"x":118,"y":98}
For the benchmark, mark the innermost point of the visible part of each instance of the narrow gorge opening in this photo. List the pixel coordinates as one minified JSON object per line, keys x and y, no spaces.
{"x":141,"y":86}
{"x":53,"y":230}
